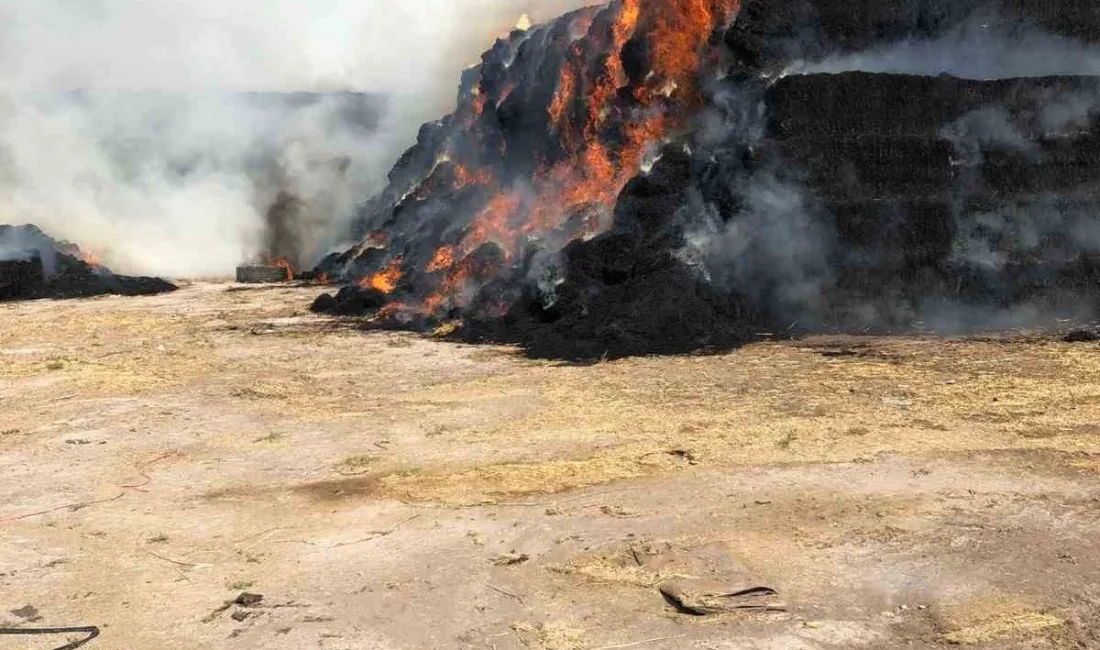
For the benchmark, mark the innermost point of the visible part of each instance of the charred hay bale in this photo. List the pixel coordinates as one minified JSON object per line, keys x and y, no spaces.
{"x":770,"y":34}
{"x":21,"y":279}
{"x":261,"y":274}
{"x":670,"y":312}
{"x":1049,"y":165}
{"x":350,"y":301}
{"x":873,"y":166}
{"x":906,"y":164}
{"x":324,"y":304}
{"x":864,"y":104}
{"x":75,"y":278}
{"x":125,"y":285}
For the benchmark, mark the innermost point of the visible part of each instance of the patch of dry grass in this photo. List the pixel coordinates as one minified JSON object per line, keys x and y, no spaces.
{"x":494,"y":483}
{"x":549,"y":636}
{"x":1018,"y":626}
{"x":990,"y":619}
{"x":356,"y":465}
{"x":616,"y":569}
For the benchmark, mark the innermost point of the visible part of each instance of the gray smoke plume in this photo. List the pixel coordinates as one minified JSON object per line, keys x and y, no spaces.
{"x":985,"y":46}
{"x":777,"y":249}
{"x":129,"y":126}
{"x":781,"y":244}
{"x":1049,"y":226}
{"x":23,"y":244}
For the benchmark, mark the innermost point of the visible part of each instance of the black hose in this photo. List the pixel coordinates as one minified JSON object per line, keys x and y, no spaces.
{"x":91,"y":631}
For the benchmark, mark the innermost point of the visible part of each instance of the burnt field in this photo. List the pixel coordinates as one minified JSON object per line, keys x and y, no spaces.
{"x":162,"y":455}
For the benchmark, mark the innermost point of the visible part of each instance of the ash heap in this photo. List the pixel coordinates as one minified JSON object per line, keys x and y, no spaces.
{"x":661,"y":176}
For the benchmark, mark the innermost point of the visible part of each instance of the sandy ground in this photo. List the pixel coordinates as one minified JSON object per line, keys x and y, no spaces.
{"x":160,"y":456}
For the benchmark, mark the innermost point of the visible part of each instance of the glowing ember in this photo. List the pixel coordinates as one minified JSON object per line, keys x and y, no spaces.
{"x":506,"y":93}
{"x":90,"y":258}
{"x":464,"y":177}
{"x":443,"y":260}
{"x":285,"y":264}
{"x":453,"y":285}
{"x":493,"y":224}
{"x":385,"y":280}
{"x":393,"y":309}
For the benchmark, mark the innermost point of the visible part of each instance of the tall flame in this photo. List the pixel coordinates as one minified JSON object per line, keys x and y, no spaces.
{"x":385,"y":280}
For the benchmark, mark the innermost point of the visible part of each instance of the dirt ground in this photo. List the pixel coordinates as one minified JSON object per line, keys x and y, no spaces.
{"x":160,"y":456}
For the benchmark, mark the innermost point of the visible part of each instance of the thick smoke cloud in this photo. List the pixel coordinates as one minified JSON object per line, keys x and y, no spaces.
{"x":123,"y":125}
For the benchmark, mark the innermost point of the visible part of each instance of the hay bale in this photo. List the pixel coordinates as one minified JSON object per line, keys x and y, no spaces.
{"x":261,"y":274}
{"x":21,"y":279}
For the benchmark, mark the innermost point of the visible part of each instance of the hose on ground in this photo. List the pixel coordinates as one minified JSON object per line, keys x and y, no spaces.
{"x":91,"y":631}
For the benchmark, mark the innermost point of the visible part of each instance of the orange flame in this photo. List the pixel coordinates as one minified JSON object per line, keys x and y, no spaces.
{"x":385,"y":280}
{"x":452,"y":286}
{"x":605,"y":135}
{"x":679,"y":31}
{"x":443,"y":260}
{"x":493,"y":224}
{"x":506,"y":93}
{"x":285,"y":264}
{"x":322,"y":278}
{"x":464,"y":177}
{"x":567,"y":86}
{"x":479,"y":103}
{"x":90,"y":258}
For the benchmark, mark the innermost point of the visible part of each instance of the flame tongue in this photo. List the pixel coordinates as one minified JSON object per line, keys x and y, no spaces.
{"x":90,"y":258}
{"x":285,"y":264}
{"x":535,"y":158}
{"x":444,"y":259}
{"x":385,"y":280}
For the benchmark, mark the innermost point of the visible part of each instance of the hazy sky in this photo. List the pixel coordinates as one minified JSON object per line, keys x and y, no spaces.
{"x":378,"y":45}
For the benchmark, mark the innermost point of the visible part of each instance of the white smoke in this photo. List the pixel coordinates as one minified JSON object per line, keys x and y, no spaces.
{"x":153,"y":164}
{"x":986,"y":46}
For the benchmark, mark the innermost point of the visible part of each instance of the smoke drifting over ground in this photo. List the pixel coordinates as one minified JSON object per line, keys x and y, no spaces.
{"x":128,"y":126}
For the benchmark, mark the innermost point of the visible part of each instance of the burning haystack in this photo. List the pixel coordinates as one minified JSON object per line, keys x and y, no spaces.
{"x":661,"y":176}
{"x":33,"y":265}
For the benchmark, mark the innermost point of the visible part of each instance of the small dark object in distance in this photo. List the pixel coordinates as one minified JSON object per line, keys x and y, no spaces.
{"x":248,"y":600}
{"x":1083,"y":336}
{"x":261,"y":274}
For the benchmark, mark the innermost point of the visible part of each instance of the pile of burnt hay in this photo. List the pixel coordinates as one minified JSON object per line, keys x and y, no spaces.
{"x":33,"y":265}
{"x":851,"y":202}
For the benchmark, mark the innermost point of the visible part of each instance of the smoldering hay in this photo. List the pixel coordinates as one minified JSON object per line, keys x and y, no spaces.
{"x":34,"y":265}
{"x":653,"y":177}
{"x":160,"y":134}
